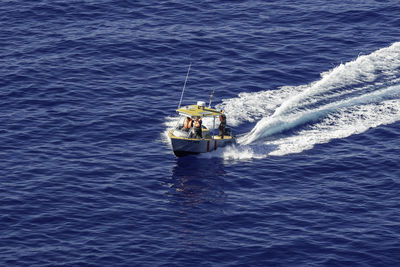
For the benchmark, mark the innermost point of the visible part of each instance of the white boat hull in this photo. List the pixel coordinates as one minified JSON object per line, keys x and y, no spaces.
{"x":183,"y":146}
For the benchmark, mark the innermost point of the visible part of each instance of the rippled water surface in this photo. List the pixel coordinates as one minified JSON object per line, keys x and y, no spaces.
{"x":88,"y":91}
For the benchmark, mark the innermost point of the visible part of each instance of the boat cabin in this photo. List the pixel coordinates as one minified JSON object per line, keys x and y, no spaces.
{"x":189,"y":115}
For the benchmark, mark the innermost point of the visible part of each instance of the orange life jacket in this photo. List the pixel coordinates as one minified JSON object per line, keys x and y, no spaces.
{"x":187,"y":124}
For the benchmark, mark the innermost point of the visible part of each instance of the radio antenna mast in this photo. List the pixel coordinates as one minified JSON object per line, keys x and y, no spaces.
{"x":184,"y":85}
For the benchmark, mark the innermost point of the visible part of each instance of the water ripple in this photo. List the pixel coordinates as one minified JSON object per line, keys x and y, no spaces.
{"x":87,"y":92}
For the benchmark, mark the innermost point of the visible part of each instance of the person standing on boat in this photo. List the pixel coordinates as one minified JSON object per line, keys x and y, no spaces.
{"x":197,"y":128}
{"x":222,"y":125}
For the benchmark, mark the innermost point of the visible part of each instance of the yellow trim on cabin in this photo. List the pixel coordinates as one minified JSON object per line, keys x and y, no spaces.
{"x":185,"y":138}
{"x":214,"y":137}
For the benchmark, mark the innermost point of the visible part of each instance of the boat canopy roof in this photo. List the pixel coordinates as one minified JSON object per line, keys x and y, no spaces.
{"x":198,"y":111}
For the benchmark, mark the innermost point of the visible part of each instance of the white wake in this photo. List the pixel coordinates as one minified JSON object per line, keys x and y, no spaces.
{"x":347,"y":100}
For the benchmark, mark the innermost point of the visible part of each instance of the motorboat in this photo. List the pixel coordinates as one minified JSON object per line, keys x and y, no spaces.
{"x":189,"y":140}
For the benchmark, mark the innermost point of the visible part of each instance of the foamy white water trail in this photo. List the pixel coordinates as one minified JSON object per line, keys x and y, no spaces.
{"x":347,"y":100}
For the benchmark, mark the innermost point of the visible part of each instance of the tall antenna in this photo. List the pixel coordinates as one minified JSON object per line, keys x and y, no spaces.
{"x":184,"y":85}
{"x":211,"y":97}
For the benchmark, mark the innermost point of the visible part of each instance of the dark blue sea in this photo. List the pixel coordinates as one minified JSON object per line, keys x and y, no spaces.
{"x":88,"y":93}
